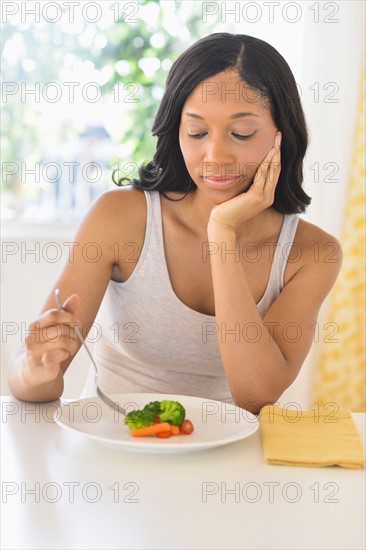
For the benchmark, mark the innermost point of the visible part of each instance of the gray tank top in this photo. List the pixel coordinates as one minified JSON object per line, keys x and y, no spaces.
{"x":150,"y":341}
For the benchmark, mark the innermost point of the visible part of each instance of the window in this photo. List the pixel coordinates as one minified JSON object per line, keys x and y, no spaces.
{"x":80,"y":90}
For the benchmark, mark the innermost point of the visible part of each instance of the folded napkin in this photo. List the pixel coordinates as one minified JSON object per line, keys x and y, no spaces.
{"x":319,"y":437}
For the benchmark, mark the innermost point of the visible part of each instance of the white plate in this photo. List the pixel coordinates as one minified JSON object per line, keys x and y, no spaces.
{"x":215,"y":423}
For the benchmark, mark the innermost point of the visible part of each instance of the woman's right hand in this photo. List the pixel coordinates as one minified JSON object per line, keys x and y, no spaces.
{"x":51,"y":340}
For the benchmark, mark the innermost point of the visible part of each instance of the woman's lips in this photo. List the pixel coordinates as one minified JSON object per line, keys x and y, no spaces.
{"x":220,"y":181}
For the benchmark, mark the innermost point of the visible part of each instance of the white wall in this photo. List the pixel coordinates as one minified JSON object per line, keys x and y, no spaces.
{"x":332,"y":57}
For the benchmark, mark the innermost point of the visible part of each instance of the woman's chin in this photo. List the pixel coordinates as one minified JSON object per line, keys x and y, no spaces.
{"x":219,"y":195}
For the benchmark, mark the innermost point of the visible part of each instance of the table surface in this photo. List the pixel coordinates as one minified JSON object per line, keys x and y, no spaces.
{"x":62,"y":490}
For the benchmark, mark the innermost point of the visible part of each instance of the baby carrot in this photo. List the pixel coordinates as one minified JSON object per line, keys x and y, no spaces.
{"x":151,"y":430}
{"x":174,"y":430}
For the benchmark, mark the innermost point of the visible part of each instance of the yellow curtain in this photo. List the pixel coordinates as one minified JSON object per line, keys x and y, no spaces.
{"x":340,"y":373}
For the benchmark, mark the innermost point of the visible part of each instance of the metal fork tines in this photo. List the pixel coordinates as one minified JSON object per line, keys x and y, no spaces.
{"x":101,"y":394}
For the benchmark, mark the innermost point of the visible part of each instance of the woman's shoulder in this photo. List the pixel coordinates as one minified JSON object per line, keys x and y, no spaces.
{"x":115,"y":220}
{"x":123,"y":199}
{"x":312,"y":238}
{"x":321,"y":252}
{"x":121,"y":210}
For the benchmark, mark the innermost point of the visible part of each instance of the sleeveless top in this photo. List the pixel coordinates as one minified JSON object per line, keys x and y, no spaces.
{"x":147,"y":340}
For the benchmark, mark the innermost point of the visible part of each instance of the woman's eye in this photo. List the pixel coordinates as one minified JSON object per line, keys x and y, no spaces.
{"x":238,"y":136}
{"x":196,"y":136}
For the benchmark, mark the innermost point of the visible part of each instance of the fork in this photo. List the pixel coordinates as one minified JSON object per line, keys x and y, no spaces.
{"x":101,"y":394}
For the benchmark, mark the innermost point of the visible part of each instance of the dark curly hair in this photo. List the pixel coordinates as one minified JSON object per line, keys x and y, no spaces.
{"x":263,"y":70}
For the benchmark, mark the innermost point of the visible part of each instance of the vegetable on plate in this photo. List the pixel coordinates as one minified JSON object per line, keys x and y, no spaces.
{"x":159,"y":418}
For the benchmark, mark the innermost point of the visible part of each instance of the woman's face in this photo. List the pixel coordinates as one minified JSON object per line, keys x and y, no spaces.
{"x":226,"y":130}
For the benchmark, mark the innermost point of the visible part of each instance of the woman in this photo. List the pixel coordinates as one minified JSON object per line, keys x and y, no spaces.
{"x":206,"y":282}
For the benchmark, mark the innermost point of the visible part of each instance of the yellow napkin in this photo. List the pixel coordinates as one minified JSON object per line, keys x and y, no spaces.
{"x":319,"y":437}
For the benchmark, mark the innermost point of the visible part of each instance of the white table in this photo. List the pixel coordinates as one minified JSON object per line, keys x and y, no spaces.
{"x":61,"y":490}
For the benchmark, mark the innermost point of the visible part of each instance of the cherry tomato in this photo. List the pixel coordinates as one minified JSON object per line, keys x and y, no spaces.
{"x":186,"y":427}
{"x":163,"y":435}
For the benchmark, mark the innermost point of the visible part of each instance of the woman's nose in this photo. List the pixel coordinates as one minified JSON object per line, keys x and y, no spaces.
{"x":218,"y":158}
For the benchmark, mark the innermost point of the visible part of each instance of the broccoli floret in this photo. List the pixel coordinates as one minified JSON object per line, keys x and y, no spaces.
{"x":153,"y":407}
{"x":144,"y":417}
{"x":168,"y":411}
{"x":172,"y":411}
{"x":139,"y":419}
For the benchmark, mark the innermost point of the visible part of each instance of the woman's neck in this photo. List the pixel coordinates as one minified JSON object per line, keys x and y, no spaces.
{"x":194,"y":212}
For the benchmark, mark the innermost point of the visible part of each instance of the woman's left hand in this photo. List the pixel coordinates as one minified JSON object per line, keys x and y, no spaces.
{"x":260,"y":196}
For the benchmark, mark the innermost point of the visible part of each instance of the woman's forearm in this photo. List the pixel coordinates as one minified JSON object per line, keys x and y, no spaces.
{"x":254,"y":364}
{"x":48,"y":391}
